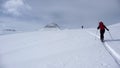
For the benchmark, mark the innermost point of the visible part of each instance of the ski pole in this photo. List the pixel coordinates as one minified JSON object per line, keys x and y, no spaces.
{"x":96,"y":34}
{"x":110,"y":35}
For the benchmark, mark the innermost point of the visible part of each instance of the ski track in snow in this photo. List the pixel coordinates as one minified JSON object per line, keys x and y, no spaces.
{"x":111,"y":51}
{"x":56,"y":49}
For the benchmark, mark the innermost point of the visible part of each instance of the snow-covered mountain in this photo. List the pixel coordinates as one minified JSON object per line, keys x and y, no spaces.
{"x":75,"y":48}
{"x":17,"y":27}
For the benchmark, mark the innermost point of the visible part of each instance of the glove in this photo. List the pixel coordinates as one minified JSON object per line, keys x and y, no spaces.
{"x":97,"y":28}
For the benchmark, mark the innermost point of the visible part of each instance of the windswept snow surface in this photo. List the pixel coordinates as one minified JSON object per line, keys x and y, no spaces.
{"x":55,"y":49}
{"x":112,"y":40}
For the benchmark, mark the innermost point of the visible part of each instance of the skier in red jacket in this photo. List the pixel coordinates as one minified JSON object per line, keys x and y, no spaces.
{"x":102,"y":28}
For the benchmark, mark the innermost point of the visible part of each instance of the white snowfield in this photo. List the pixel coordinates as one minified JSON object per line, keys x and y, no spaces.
{"x":61,"y":49}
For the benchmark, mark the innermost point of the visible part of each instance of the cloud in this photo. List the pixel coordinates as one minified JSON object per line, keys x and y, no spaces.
{"x":76,"y":12}
{"x":15,"y":7}
{"x":64,"y":12}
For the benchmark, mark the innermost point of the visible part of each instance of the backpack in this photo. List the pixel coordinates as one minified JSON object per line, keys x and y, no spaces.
{"x":101,"y":26}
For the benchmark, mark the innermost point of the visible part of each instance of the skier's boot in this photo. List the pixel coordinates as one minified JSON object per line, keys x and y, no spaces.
{"x":102,"y":40}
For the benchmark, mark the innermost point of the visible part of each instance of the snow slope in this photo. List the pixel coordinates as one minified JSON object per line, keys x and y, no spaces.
{"x":57,"y":49}
{"x":112,"y":40}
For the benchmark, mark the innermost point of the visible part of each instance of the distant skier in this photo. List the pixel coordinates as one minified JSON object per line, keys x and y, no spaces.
{"x":102,"y":28}
{"x":82,"y":27}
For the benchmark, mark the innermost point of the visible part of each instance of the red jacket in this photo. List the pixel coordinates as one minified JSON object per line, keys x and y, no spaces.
{"x":102,"y":26}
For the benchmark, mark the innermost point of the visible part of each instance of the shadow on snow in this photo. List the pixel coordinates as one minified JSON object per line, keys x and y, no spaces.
{"x":112,"y":40}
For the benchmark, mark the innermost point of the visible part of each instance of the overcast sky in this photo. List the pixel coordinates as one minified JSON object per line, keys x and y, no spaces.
{"x":70,"y":13}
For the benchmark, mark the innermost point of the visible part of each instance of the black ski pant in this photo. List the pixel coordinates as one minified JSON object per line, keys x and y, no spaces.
{"x":102,"y":34}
